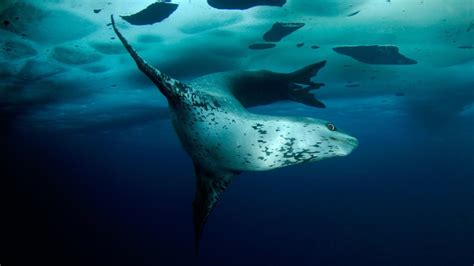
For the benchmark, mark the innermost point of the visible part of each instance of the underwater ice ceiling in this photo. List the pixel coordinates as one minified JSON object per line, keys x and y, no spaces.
{"x":63,"y":55}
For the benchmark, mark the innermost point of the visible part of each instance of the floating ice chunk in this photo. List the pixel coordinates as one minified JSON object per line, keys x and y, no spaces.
{"x":153,"y":13}
{"x":280,"y":30}
{"x":243,"y":4}
{"x":261,"y":46}
{"x":375,"y":54}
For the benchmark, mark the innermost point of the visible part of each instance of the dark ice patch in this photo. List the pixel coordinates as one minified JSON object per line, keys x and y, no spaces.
{"x":13,"y":50}
{"x":280,"y":30}
{"x":466,"y":47}
{"x":97,"y":11}
{"x":399,"y":94}
{"x":153,"y":13}
{"x":45,"y":26}
{"x":470,"y":27}
{"x":314,"y":47}
{"x":375,"y":54}
{"x":96,"y":69}
{"x":352,"y":85}
{"x":34,"y":70}
{"x":74,"y":56}
{"x":7,"y":71}
{"x":299,"y":45}
{"x":243,"y":4}
{"x":261,"y":46}
{"x":353,"y":14}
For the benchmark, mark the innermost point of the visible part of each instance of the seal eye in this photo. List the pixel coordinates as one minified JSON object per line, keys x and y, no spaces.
{"x":331,"y":126}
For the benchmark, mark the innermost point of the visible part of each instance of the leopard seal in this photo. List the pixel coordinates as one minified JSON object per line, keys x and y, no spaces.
{"x":223,"y":139}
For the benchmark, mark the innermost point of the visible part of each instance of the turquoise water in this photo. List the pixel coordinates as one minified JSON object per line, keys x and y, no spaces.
{"x":94,"y":173}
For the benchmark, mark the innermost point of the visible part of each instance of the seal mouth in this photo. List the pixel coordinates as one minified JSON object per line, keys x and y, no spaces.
{"x":347,"y":144}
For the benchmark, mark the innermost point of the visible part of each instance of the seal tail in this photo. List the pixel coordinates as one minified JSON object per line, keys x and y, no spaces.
{"x":165,"y":83}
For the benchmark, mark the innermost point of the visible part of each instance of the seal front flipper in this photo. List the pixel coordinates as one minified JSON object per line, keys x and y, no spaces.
{"x":168,"y":86}
{"x":210,"y":185}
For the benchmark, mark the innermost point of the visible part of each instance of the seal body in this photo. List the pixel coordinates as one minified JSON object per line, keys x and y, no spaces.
{"x":219,"y":133}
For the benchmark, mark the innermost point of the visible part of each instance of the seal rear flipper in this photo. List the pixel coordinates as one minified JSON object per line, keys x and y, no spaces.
{"x":305,"y":97}
{"x":210,"y":185}
{"x":304,"y":75}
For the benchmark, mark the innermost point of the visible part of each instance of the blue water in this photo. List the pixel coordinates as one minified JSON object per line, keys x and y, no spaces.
{"x":92,"y":172}
{"x":404,"y":197}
